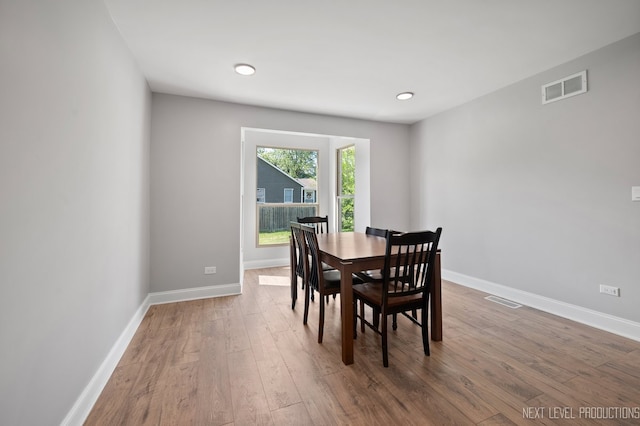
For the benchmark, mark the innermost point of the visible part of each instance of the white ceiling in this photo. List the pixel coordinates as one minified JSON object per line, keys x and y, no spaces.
{"x":350,"y":58}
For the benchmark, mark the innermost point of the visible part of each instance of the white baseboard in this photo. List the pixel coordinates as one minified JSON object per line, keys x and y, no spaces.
{"x":269,"y":263}
{"x":194,"y":293}
{"x":610,"y":323}
{"x":83,"y":405}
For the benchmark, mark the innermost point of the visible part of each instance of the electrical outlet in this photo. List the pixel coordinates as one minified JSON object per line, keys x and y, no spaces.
{"x":611,"y":291}
{"x":209,"y":270}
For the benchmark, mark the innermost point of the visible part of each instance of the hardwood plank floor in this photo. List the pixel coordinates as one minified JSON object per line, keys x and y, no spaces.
{"x":248,"y":359}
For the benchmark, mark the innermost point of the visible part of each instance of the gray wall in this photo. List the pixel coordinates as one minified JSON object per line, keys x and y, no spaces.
{"x":196,"y":182}
{"x":538,"y":197}
{"x":74,"y":227}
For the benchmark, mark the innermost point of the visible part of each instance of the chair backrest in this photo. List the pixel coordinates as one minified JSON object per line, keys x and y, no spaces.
{"x":409,"y":262}
{"x":313,"y":269}
{"x":319,"y":223}
{"x":298,"y":250}
{"x":377,"y":232}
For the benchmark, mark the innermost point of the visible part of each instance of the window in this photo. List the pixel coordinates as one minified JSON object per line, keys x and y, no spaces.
{"x":286,"y":182}
{"x":288,"y":195}
{"x":346,"y":188}
{"x":308,"y":195}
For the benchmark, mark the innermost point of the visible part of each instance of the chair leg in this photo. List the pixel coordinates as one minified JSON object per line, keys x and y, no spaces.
{"x":294,"y":291}
{"x":376,"y":318}
{"x":361,"y":315}
{"x":395,"y":321}
{"x":425,"y":333}
{"x":306,"y":305}
{"x":321,"y":322}
{"x":385,"y":353}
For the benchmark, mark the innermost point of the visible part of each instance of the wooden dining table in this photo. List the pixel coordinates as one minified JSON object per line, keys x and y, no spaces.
{"x":351,"y":252}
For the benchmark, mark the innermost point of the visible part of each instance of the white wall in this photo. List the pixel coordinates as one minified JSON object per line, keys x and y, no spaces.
{"x":74,"y":229}
{"x":537,"y":197}
{"x":196,"y":179}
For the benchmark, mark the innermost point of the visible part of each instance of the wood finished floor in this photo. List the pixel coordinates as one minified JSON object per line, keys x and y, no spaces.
{"x":248,"y":359}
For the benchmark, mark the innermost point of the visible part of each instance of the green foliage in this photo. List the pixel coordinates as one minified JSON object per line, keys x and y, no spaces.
{"x":297,"y":163}
{"x":346,"y":207}
{"x":348,"y":168}
{"x":278,"y":237}
{"x":347,"y":186}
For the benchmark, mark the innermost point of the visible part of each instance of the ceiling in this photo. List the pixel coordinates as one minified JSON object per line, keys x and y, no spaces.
{"x":351,"y":58}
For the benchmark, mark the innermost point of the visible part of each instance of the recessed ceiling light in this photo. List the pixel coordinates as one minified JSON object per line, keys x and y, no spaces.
{"x":245,"y":69}
{"x":404,"y":96}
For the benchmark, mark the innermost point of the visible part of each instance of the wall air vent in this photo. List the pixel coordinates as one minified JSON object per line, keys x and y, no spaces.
{"x":575,"y":84}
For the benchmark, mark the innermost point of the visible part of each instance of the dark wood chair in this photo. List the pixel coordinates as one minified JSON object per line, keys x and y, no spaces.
{"x":296,"y":261}
{"x":319,"y":223}
{"x":406,"y":282}
{"x":376,"y":232}
{"x":372,"y":276}
{"x":321,"y":226}
{"x":325,"y":282}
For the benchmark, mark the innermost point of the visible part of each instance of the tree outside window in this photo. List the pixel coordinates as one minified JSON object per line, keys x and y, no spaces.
{"x":346,"y":187}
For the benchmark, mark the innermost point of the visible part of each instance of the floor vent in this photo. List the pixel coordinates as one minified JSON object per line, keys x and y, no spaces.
{"x":504,"y":302}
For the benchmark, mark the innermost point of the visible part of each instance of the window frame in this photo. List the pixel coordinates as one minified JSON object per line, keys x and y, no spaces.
{"x":340,"y":196}
{"x":309,"y":209}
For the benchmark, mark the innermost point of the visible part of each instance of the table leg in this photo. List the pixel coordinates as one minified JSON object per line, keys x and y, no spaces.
{"x":436,"y":301}
{"x":346,"y":311}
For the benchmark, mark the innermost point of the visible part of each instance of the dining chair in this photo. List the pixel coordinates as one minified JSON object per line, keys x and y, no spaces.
{"x":319,"y":223}
{"x":372,"y":276}
{"x":325,"y":282}
{"x":321,"y":226}
{"x":296,"y":261}
{"x":406,"y":282}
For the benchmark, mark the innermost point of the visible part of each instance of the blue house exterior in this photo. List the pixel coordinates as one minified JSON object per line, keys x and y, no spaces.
{"x":275,"y":186}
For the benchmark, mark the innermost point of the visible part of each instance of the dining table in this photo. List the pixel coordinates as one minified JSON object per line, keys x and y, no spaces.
{"x":351,"y":252}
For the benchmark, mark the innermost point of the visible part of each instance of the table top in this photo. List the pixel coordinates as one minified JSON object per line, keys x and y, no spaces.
{"x":352,"y":246}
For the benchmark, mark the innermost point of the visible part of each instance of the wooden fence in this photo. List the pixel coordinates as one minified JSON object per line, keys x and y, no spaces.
{"x":277,"y":217}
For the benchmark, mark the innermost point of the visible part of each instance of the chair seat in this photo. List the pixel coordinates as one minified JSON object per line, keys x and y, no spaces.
{"x":374,"y":275}
{"x":326,"y":267}
{"x":332,"y":279}
{"x":370,"y":276}
{"x":372,"y":294}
